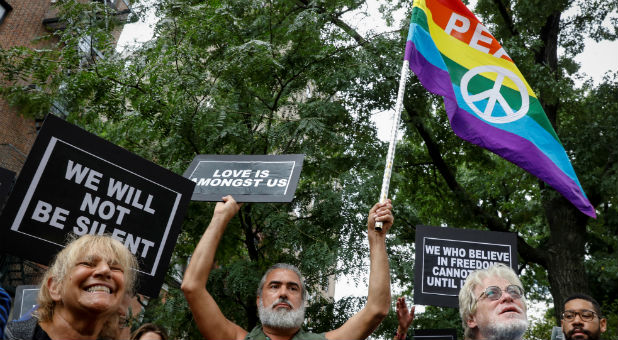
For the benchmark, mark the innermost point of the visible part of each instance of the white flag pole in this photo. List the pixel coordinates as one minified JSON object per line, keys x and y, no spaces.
{"x":390,"y":156}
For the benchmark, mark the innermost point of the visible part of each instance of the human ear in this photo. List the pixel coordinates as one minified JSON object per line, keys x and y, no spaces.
{"x":54,"y":288}
{"x":471,"y":322}
{"x":603,"y":325}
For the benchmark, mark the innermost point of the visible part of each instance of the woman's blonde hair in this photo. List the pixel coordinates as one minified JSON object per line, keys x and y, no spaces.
{"x":467,"y":299}
{"x":105,"y":247}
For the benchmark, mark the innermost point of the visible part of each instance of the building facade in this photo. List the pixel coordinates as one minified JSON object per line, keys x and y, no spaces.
{"x":22,"y":23}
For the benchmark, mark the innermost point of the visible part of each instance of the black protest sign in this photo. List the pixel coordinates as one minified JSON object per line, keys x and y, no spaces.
{"x":249,"y":178}
{"x":435,"y":334}
{"x":75,"y":183}
{"x":445,"y":257}
{"x":25,"y":300}
{"x":6,"y":183}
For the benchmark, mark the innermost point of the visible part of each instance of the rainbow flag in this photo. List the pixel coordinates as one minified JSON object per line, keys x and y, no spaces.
{"x":487,"y":99}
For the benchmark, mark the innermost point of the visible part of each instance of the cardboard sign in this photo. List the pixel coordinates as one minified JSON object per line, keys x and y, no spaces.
{"x":445,"y":257}
{"x":75,"y":183}
{"x":6,"y":183}
{"x":435,"y":334}
{"x":25,"y":300}
{"x":249,"y":178}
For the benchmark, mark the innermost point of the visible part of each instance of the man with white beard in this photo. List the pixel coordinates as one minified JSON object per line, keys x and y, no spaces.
{"x":282,"y":294}
{"x":492,"y":305}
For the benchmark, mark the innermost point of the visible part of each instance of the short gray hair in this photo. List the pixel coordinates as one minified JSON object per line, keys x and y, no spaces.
{"x":467,"y":299}
{"x":303,"y":288}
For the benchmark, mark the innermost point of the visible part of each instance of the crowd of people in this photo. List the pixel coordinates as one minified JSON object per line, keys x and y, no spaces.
{"x":86,"y":294}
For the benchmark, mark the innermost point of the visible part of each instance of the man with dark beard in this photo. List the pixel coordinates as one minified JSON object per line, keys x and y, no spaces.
{"x":582,"y":318}
{"x":492,"y":305}
{"x":282,"y":294}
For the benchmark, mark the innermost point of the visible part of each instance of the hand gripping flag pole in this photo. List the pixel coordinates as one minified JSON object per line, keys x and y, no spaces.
{"x":390,"y":156}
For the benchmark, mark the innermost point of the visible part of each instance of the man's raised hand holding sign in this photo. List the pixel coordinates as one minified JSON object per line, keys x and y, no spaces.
{"x":282,"y":291}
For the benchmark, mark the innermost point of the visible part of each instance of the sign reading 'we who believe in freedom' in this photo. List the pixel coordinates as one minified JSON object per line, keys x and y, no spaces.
{"x":445,"y":257}
{"x":75,"y":183}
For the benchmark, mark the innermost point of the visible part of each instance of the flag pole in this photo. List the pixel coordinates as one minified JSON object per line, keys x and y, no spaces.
{"x":390,"y":156}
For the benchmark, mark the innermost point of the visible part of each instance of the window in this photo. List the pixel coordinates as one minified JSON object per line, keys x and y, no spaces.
{"x":87,"y":50}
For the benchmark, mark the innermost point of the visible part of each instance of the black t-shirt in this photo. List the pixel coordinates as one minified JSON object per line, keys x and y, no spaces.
{"x":39,"y":334}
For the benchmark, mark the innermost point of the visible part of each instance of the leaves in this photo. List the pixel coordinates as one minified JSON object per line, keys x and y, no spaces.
{"x":274,"y":77}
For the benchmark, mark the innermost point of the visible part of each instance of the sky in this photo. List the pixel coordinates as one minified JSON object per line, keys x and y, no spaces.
{"x":596,"y":60}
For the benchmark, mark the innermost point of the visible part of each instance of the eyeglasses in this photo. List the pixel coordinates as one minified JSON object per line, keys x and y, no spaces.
{"x":494,"y":292}
{"x":585,"y":315}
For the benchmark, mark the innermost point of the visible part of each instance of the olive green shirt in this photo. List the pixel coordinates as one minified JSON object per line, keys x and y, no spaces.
{"x":258,"y":334}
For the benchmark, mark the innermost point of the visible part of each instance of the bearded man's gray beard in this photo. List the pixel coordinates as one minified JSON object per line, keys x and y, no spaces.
{"x":281,"y":317}
{"x":513,"y":330}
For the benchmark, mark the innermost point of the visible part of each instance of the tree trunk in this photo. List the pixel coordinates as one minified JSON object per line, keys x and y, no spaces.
{"x":565,"y":250}
{"x":562,"y":256}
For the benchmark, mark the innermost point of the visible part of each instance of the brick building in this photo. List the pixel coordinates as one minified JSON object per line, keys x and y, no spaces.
{"x":21,"y":23}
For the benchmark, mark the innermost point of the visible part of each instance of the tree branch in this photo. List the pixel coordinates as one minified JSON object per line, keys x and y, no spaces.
{"x":486,"y":219}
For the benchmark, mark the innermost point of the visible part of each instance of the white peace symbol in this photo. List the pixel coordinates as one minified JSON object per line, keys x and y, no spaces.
{"x":494,"y":95}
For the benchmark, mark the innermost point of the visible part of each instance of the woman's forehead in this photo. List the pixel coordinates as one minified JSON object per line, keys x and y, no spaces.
{"x":97,"y":253}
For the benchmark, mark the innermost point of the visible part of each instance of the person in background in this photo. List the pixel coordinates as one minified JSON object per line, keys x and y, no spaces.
{"x":80,"y":292}
{"x":405,"y":318}
{"x":582,"y":318}
{"x":5,"y":308}
{"x":282,"y":293}
{"x":149,"y":331}
{"x":492,"y":305}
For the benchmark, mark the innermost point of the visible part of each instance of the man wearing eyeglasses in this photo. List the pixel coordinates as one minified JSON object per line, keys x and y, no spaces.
{"x":492,"y":305}
{"x":582,"y":318}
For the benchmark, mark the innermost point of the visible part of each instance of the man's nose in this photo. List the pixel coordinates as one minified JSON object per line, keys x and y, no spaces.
{"x":506,"y":296}
{"x":577,"y":320}
{"x":283,"y":292}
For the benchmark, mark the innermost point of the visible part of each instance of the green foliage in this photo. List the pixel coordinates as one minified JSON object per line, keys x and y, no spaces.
{"x":168,"y":311}
{"x":328,"y":315}
{"x":541,"y":327}
{"x":437,"y":318}
{"x":276,"y":77}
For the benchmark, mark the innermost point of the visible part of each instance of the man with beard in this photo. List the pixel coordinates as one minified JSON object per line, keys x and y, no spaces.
{"x":582,"y":318}
{"x":282,"y":293}
{"x":492,"y":305}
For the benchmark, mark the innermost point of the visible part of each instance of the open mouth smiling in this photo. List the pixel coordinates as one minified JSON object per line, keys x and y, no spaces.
{"x":98,"y":288}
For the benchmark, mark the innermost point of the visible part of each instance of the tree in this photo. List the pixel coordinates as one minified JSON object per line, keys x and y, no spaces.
{"x":460,"y":185}
{"x":234,"y":77}
{"x":257,"y":77}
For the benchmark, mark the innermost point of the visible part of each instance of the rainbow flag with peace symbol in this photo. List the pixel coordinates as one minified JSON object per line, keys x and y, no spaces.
{"x":487,"y":99}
